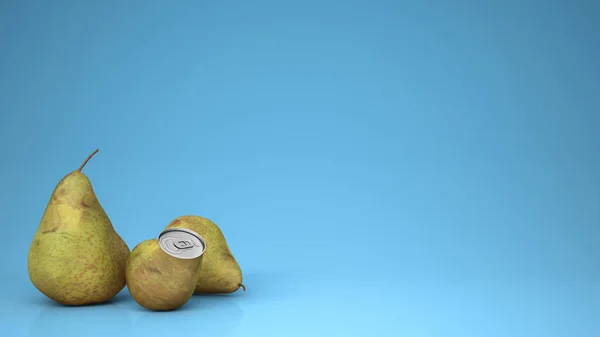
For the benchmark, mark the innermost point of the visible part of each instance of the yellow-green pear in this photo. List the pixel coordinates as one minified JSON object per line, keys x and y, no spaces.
{"x":161,"y":273}
{"x":76,"y":256}
{"x":220,"y":272}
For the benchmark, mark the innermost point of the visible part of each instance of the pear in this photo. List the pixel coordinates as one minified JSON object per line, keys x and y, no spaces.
{"x":160,"y":281}
{"x":76,"y":256}
{"x":220,"y":272}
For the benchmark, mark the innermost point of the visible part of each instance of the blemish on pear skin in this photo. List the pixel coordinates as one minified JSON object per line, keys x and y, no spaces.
{"x":153,"y":270}
{"x":51,"y":230}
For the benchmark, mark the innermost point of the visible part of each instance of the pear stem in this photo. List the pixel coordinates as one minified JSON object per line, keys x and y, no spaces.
{"x":87,"y":159}
{"x":243,"y":286}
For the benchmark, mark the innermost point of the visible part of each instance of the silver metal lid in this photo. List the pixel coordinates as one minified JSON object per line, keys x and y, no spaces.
{"x":181,"y":243}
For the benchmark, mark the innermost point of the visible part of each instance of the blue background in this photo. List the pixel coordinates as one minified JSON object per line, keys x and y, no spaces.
{"x":399,"y":168}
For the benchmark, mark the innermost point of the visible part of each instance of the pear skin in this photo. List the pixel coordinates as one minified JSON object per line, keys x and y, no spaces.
{"x":220,"y":272}
{"x":158,"y":281}
{"x":76,"y":256}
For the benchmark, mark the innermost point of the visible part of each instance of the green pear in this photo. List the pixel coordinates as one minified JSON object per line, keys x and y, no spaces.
{"x":76,"y":256}
{"x":159,"y":281}
{"x":220,"y":272}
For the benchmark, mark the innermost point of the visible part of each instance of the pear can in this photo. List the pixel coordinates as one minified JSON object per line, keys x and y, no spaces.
{"x":181,"y":243}
{"x":220,"y":272}
{"x":161,"y":273}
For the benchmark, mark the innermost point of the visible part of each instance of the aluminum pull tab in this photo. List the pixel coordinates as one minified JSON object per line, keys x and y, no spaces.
{"x":183,"y":244}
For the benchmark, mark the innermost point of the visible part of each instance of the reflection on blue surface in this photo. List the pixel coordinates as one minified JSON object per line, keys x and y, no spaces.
{"x":413,"y":308}
{"x":213,"y":315}
{"x":97,"y":320}
{"x":379,"y":168}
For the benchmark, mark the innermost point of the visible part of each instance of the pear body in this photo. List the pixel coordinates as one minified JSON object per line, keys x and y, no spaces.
{"x":220,"y":272}
{"x":159,"y":281}
{"x":76,"y":256}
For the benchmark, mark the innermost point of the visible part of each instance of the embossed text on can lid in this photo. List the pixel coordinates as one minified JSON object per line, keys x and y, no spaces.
{"x":181,"y":243}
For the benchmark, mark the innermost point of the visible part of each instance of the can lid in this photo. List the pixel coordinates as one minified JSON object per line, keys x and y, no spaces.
{"x":181,"y":243}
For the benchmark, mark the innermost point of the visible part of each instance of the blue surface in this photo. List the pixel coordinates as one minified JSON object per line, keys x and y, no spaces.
{"x":400,"y":168}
